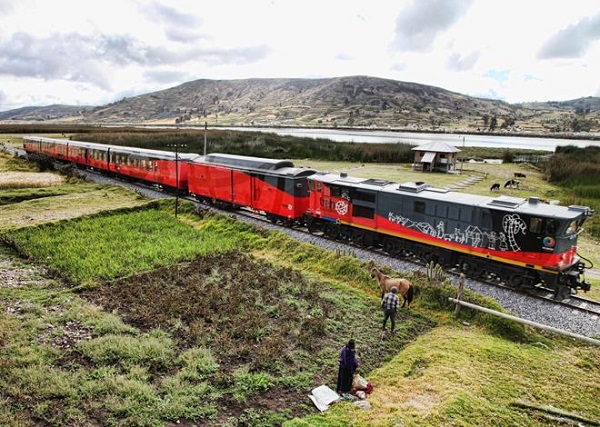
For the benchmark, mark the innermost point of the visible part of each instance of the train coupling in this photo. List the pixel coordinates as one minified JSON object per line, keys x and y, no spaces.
{"x":585,"y":286}
{"x":574,"y":278}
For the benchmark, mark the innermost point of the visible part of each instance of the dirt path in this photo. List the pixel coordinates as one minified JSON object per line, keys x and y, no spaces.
{"x":15,"y":272}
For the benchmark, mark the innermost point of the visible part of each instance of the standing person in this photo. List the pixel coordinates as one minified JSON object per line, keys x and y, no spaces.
{"x":389,"y":304}
{"x":348,"y":365}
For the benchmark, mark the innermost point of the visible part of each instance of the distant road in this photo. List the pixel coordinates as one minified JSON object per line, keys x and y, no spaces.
{"x":417,"y":138}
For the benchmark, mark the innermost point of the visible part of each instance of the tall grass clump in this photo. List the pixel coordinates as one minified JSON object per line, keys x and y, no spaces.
{"x":154,"y":348}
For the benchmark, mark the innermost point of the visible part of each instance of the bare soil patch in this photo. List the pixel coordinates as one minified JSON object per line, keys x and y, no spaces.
{"x":249,"y":315}
{"x":252,"y":314}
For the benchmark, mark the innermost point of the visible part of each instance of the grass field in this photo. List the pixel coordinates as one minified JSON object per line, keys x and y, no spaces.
{"x":108,"y":319}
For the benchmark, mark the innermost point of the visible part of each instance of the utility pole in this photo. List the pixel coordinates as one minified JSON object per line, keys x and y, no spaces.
{"x":463,"y":156}
{"x":177,"y":147}
{"x":205,"y":128}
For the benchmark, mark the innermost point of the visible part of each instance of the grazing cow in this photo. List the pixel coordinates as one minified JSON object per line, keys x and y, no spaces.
{"x":495,"y":186}
{"x":512,"y":183}
{"x":520,"y":175}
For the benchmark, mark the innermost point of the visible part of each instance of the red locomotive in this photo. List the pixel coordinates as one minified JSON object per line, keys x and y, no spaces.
{"x":522,"y":242}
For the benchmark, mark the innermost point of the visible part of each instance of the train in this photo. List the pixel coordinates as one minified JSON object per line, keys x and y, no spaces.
{"x":525,"y":243}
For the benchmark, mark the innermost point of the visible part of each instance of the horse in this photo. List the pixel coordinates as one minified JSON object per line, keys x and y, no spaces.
{"x":386,"y":283}
{"x":495,"y":186}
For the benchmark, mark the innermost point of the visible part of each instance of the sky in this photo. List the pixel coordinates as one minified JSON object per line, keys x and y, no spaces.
{"x":92,"y":52}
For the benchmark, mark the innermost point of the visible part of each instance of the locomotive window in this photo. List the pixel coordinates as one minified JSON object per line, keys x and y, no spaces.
{"x":573,"y":227}
{"x":535,"y":225}
{"x":318,"y":187}
{"x":364,"y":196}
{"x":335,"y":191}
{"x":311,"y":185}
{"x":419,"y":207}
{"x":552,"y":226}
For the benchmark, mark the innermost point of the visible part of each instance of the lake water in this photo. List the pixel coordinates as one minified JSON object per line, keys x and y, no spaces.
{"x":457,"y":140}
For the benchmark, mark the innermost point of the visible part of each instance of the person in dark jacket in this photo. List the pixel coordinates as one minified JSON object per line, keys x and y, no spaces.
{"x":348,"y":365}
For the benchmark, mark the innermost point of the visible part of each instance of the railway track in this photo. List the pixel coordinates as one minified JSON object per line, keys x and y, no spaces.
{"x":584,"y":304}
{"x":574,"y":302}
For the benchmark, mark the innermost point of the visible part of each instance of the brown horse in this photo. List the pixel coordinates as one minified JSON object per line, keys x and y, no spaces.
{"x":386,"y":283}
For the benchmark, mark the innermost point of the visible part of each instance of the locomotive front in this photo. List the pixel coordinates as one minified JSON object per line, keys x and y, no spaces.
{"x":560,"y":238}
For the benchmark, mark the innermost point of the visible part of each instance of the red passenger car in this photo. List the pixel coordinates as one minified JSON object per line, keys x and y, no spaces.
{"x":159,"y":167}
{"x":273,"y":187}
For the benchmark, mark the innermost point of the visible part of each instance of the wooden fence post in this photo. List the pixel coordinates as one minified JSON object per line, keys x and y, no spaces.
{"x":459,"y":293}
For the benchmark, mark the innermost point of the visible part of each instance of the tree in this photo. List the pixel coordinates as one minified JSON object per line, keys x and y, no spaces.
{"x":493,"y":122}
{"x":486,"y":120}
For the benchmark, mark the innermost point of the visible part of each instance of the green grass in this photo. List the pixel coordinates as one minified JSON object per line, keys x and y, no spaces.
{"x":139,"y":377}
{"x":107,"y":246}
{"x":456,"y":375}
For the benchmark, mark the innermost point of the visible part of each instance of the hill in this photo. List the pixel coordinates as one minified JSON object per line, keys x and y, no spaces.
{"x":46,"y":113}
{"x":355,"y":101}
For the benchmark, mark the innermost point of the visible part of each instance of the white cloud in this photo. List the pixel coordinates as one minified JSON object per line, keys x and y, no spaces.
{"x":95,"y":52}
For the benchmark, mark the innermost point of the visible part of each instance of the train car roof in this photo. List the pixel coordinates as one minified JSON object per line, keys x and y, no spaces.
{"x":530,"y":206}
{"x":142,"y":152}
{"x":255,"y":164}
{"x":155,"y":154}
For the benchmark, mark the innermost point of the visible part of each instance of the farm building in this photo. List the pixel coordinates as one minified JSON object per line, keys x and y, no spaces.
{"x":435,"y":157}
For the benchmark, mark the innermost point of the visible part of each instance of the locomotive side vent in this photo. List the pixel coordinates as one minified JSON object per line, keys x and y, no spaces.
{"x":507,"y":202}
{"x":414,"y":187}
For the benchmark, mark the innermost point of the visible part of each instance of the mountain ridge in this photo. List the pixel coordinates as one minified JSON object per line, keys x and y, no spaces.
{"x":351,"y":101}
